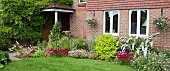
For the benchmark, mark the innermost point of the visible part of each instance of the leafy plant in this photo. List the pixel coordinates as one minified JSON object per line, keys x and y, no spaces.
{"x":124,"y":58}
{"x":162,"y":22}
{"x":137,"y":44}
{"x":91,"y":44}
{"x":91,"y":22}
{"x":66,"y":2}
{"x":4,"y":58}
{"x":80,"y":43}
{"x":3,"y":41}
{"x":42,"y":45}
{"x":152,"y":62}
{"x":39,"y":53}
{"x":54,"y":36}
{"x":106,"y":46}
{"x":23,"y":18}
{"x":82,"y":54}
{"x":64,"y":42}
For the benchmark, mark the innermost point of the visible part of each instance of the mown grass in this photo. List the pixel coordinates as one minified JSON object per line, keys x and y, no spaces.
{"x":63,"y":64}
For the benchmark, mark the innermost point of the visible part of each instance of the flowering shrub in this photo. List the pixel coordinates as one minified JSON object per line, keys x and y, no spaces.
{"x":162,"y":22}
{"x":91,"y":22}
{"x":57,"y":52}
{"x":152,"y":62}
{"x":124,"y":58}
{"x":82,"y":54}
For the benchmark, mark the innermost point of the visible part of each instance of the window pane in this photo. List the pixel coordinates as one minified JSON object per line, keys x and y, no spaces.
{"x":82,"y":1}
{"x":115,"y":22}
{"x":143,"y":22}
{"x":107,"y":25}
{"x":134,"y":22}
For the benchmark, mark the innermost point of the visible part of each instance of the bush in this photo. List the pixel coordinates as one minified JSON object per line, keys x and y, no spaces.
{"x":80,"y":43}
{"x":91,"y":44}
{"x":4,"y":58}
{"x":64,"y":42}
{"x":82,"y":54}
{"x":42,"y":45}
{"x":54,"y":36}
{"x":106,"y":46}
{"x":152,"y":62}
{"x":3,"y":42}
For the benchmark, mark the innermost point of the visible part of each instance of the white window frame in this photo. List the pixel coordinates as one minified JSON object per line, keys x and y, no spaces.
{"x":111,"y":23}
{"x":81,"y":2}
{"x":138,"y":22}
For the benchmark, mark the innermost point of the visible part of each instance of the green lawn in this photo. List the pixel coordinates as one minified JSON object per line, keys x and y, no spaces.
{"x":63,"y":64}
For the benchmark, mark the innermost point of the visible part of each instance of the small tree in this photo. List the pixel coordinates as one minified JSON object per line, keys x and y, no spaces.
{"x":54,"y":36}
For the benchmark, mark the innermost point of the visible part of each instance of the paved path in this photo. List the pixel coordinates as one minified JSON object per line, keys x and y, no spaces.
{"x":13,"y":57}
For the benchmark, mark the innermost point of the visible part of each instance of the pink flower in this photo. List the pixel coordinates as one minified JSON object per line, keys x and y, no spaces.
{"x":48,"y":52}
{"x":26,"y":54}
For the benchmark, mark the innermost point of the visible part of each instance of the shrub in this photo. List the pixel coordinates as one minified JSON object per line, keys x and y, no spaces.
{"x":3,"y":42}
{"x":124,"y":58}
{"x":80,"y":43}
{"x":64,"y":42}
{"x":152,"y":62}
{"x":91,"y":44}
{"x":54,"y":36}
{"x":42,"y":45}
{"x":38,"y":53}
{"x":4,"y":58}
{"x":82,"y":54}
{"x":57,"y":52}
{"x":106,"y":47}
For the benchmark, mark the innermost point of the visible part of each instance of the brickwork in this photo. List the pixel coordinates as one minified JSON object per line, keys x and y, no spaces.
{"x":77,"y":21}
{"x":91,"y":11}
{"x":126,"y":4}
{"x":163,"y":39}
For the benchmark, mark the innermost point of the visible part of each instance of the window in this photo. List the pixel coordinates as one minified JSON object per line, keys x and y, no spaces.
{"x":111,"y":22}
{"x":82,"y":1}
{"x":138,"y":22}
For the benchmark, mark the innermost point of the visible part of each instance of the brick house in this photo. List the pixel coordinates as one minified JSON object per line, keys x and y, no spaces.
{"x":121,"y":18}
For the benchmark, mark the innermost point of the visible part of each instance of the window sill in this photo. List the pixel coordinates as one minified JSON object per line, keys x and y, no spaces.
{"x":82,"y":5}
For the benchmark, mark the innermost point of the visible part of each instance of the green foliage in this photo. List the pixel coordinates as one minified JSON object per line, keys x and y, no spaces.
{"x":38,"y":53}
{"x":91,"y":22}
{"x":137,"y":44}
{"x":162,"y":22}
{"x":4,"y":58}
{"x":154,"y":61}
{"x":3,"y":41}
{"x":54,"y":36}
{"x":80,"y":43}
{"x":66,"y":2}
{"x":91,"y":44}
{"x":106,"y":47}
{"x":23,"y":18}
{"x":64,"y":42}
{"x":42,"y":45}
{"x":82,"y":54}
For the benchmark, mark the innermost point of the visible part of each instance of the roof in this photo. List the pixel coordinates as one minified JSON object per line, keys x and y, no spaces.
{"x":54,"y":5}
{"x":126,"y":4}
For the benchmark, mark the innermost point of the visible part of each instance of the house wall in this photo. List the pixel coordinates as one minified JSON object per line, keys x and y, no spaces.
{"x":78,"y":23}
{"x":77,"y":20}
{"x":126,"y":4}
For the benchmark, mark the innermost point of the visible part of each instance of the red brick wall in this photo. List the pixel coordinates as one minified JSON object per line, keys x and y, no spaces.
{"x":78,"y":21}
{"x":163,"y":39}
{"x":126,"y":4}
